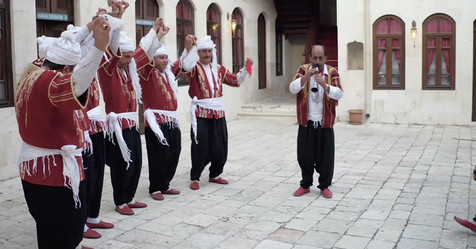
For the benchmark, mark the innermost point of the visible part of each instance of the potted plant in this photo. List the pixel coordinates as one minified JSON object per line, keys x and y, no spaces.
{"x":355,"y":116}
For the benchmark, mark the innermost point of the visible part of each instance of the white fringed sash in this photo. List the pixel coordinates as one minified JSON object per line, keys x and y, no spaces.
{"x":149,"y":115}
{"x":71,"y":172}
{"x":215,"y":104}
{"x":114,"y":121}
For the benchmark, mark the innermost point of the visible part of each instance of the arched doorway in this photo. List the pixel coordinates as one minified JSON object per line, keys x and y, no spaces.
{"x":214,"y":27}
{"x":146,"y":13}
{"x":262,"y":51}
{"x":185,"y":26}
{"x":473,"y":116}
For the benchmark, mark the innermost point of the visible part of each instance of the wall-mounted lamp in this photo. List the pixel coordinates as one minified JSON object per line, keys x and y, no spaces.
{"x":413,"y":30}
{"x":216,"y":26}
{"x":233,"y":25}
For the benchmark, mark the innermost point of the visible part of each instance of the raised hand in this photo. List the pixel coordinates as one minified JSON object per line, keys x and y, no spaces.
{"x":251,"y":61}
{"x":159,"y":22}
{"x":101,"y":33}
{"x":115,"y":6}
{"x":189,"y":42}
{"x":101,"y":11}
{"x":122,"y":8}
{"x":163,"y":30}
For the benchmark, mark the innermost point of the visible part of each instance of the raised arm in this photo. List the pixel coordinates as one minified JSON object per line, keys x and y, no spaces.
{"x":241,"y":75}
{"x":150,"y":42}
{"x":85,"y":71}
{"x":189,"y":57}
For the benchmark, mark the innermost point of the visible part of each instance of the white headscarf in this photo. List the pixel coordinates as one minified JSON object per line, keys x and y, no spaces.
{"x":88,"y":42}
{"x":65,"y":50}
{"x":45,"y":44}
{"x":207,"y":43}
{"x":170,"y":76}
{"x":127,"y":45}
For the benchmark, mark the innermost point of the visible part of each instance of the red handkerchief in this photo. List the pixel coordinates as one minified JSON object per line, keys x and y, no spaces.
{"x":248,"y":66}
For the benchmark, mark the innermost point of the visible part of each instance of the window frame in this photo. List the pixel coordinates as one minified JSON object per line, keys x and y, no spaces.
{"x":210,"y":26}
{"x":388,"y":54}
{"x":6,"y":60}
{"x":235,"y":41}
{"x":279,"y":53}
{"x":182,"y":80}
{"x":438,"y":53}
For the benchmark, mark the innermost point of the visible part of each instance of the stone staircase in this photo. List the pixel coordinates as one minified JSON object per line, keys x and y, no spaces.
{"x":279,"y":108}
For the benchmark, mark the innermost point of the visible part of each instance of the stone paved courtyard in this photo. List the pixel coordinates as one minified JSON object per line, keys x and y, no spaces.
{"x":395,"y":186}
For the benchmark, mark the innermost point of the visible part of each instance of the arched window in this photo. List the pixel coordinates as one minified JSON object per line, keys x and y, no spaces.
{"x":237,"y":40}
{"x":184,"y":13}
{"x":262,"y":52}
{"x":6,"y":77}
{"x":214,"y":26}
{"x":389,"y":53}
{"x":146,"y":13}
{"x":439,"y":52}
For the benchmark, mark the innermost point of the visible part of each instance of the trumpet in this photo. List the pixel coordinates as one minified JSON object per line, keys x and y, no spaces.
{"x":314,"y":88}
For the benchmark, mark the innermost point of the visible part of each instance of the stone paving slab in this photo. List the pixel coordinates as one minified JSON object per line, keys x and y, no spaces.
{"x":395,"y":186}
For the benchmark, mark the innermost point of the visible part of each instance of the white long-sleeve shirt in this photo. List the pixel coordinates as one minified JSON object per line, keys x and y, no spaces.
{"x":85,"y":71}
{"x":150,"y":43}
{"x":316,"y":100}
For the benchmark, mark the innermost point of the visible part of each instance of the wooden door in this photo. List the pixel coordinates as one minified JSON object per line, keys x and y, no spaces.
{"x":50,"y":28}
{"x":56,"y":7}
{"x":473,"y":118}
{"x":145,"y":10}
{"x":6,"y":77}
{"x":262,"y":51}
{"x":54,"y":28}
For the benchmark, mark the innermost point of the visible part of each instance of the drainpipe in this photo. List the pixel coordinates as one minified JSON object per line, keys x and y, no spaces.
{"x":367,"y":58}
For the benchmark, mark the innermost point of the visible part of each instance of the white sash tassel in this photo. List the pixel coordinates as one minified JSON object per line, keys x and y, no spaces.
{"x":215,"y":104}
{"x":71,"y":172}
{"x":114,"y":121}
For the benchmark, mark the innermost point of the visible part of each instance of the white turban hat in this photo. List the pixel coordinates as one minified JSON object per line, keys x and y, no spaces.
{"x":65,"y":50}
{"x":162,"y":51}
{"x":44,"y":44}
{"x":207,"y":43}
{"x":126,"y":43}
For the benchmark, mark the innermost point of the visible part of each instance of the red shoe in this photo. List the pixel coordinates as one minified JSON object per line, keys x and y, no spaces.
{"x":100,"y":225}
{"x":171,"y":192}
{"x":84,"y":247}
{"x":194,"y":185}
{"x":137,"y":204}
{"x":466,"y":223}
{"x":301,"y":191}
{"x":91,"y":234}
{"x":219,"y":180}
{"x":126,"y":210}
{"x":157,"y":196}
{"x":326,"y":193}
